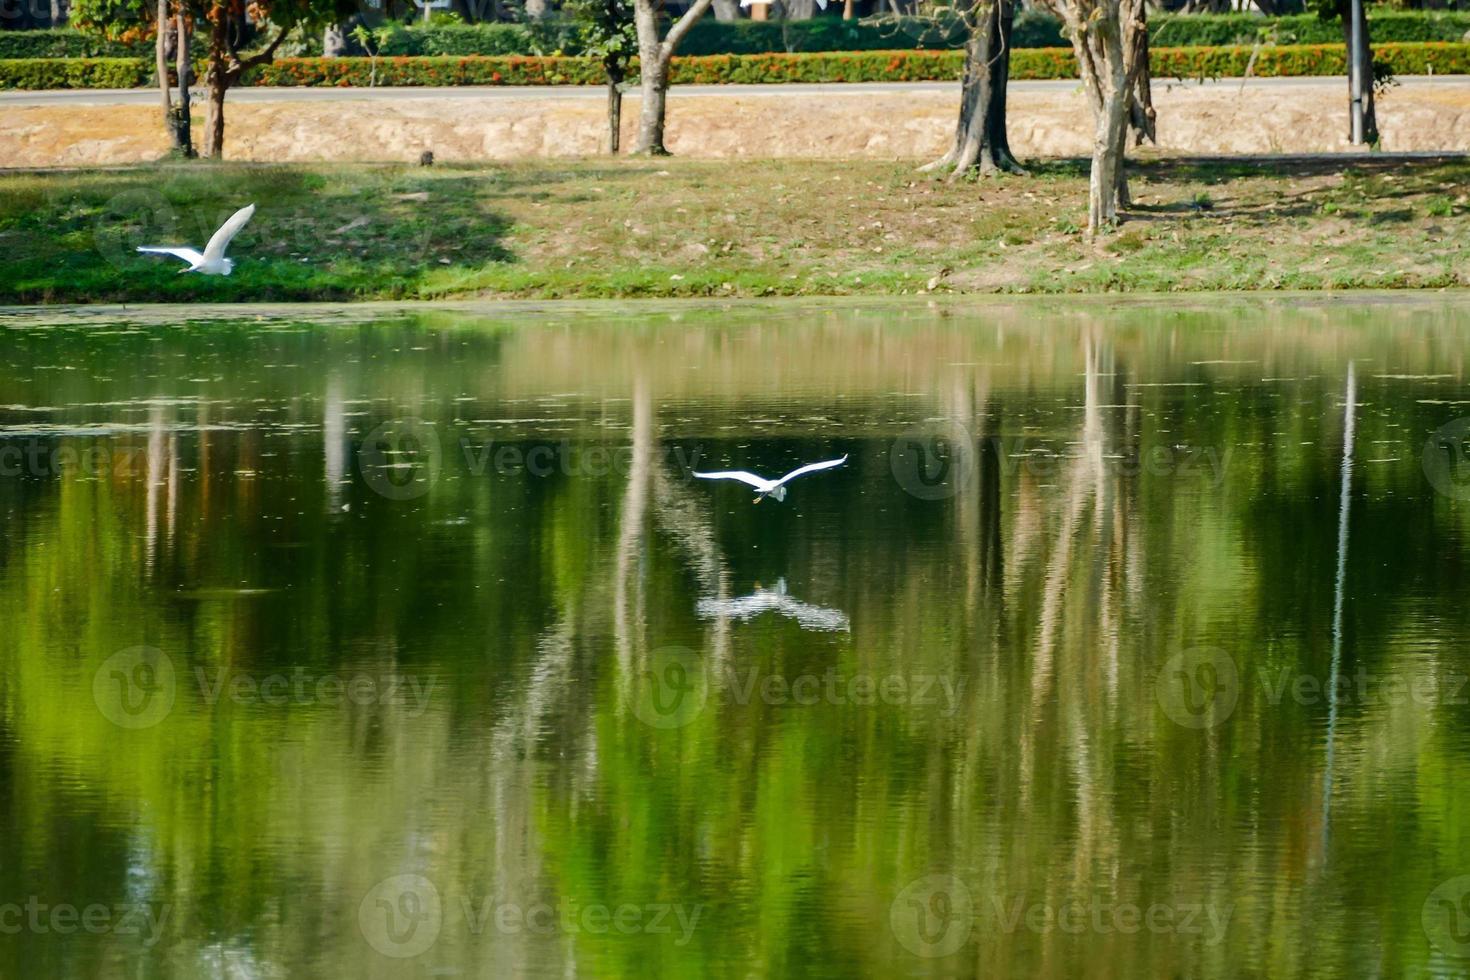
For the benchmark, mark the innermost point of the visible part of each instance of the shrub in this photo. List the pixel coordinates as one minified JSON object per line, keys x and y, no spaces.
{"x":847,"y":66}
{"x":1032,"y":30}
{"x":41,"y":73}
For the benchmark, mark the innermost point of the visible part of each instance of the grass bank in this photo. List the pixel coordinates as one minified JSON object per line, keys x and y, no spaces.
{"x":670,"y":228}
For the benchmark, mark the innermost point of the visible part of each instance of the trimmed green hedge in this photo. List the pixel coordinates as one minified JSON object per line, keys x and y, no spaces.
{"x":44,"y":73}
{"x":855,"y":66}
{"x":61,"y":43}
{"x":709,"y":36}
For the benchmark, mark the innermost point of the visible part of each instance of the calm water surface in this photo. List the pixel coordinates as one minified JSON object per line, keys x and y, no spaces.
{"x":1130,"y":641}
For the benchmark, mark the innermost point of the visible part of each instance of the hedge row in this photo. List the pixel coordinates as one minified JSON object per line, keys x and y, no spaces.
{"x":860,"y":66}
{"x":44,"y":73}
{"x":1032,"y":30}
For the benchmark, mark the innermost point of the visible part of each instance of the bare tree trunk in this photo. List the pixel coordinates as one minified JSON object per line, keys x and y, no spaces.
{"x":1104,"y":39}
{"x":1370,"y":111}
{"x":185,"y":139}
{"x":614,"y":110}
{"x":214,"y":117}
{"x":980,"y":134}
{"x":334,"y":38}
{"x":727,"y":11}
{"x":654,"y":56}
{"x":56,"y":14}
{"x":160,"y":59}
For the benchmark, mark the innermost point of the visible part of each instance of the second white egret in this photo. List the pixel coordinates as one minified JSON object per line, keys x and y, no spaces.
{"x":771,"y":488}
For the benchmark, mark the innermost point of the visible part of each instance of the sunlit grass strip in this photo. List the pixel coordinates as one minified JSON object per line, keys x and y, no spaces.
{"x":849,"y":66}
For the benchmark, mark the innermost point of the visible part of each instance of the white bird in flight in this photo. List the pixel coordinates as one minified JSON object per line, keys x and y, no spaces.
{"x":211,"y":261}
{"x":772,"y":488}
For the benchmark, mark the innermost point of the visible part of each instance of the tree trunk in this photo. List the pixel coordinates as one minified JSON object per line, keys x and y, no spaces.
{"x":654,"y":55}
{"x":1102,"y":38}
{"x":614,"y":109}
{"x":335,"y":43}
{"x":653,"y":90}
{"x":980,"y":134}
{"x":185,"y":139}
{"x":727,"y":11}
{"x":1370,"y":112}
{"x":218,"y":80}
{"x":160,"y":62}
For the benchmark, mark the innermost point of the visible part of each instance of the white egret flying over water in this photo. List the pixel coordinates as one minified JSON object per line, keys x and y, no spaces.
{"x":771,"y":488}
{"x":211,"y":261}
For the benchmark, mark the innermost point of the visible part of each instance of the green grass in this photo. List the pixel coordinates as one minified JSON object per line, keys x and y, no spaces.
{"x":669,"y":228}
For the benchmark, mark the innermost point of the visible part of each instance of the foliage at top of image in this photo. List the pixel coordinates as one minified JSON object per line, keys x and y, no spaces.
{"x":563,"y":35}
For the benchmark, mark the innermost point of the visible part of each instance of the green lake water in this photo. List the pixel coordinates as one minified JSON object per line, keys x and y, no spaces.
{"x":1129,"y":641}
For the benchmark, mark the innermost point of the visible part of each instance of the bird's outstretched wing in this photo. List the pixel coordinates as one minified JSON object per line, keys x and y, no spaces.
{"x":220,"y":240}
{"x":811,"y":468}
{"x":187,"y":254}
{"x":758,"y":482}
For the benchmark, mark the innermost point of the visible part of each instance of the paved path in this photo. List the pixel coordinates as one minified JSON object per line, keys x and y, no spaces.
{"x":597,"y":93}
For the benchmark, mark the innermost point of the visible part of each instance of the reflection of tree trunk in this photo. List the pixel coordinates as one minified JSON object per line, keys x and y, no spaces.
{"x":334,"y":442}
{"x":628,"y":621}
{"x":157,"y":462}
{"x":1344,"y":508}
{"x":987,"y":488}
